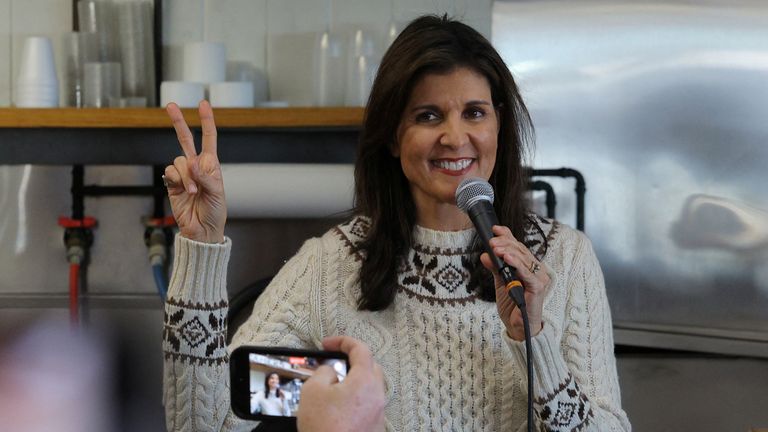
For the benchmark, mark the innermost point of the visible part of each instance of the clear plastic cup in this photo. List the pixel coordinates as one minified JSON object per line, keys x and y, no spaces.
{"x":98,"y":16}
{"x":79,"y":48}
{"x":328,"y":65}
{"x":135,"y":27}
{"x":101,"y":81}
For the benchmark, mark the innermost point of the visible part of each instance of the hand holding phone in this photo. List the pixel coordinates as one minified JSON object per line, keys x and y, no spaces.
{"x":355,"y":404}
{"x":266,"y":382}
{"x":324,"y":389}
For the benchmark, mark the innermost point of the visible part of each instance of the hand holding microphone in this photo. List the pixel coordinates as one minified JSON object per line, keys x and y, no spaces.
{"x":513,"y":266}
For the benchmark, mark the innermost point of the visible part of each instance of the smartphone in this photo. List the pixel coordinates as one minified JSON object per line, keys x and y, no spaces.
{"x":266,"y":382}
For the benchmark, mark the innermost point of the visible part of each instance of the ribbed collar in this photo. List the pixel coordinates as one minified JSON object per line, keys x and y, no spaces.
{"x":430,"y":238}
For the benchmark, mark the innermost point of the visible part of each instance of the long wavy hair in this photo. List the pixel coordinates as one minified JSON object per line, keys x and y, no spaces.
{"x":430,"y":45}
{"x":278,"y":392}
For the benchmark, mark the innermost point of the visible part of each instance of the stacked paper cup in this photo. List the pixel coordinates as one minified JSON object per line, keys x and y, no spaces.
{"x":37,"y":84}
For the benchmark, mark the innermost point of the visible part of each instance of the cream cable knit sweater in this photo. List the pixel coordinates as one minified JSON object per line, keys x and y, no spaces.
{"x":446,"y":358}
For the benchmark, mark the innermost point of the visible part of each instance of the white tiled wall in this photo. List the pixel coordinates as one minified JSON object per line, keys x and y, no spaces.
{"x":5,"y":52}
{"x":270,"y":35}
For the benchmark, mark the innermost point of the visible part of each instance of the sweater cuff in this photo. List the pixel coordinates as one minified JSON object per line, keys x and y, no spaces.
{"x":549,"y":367}
{"x":199,"y":271}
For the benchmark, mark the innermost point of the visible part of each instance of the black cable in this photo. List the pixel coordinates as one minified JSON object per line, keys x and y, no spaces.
{"x":517,"y":296}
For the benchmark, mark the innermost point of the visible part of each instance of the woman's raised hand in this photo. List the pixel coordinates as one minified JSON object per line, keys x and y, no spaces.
{"x":194,"y":181}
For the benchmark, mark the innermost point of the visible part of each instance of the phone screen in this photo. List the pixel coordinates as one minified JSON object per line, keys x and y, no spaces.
{"x":267,"y":382}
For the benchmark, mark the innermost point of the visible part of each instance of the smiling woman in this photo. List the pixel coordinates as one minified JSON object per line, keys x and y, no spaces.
{"x":405,"y":275}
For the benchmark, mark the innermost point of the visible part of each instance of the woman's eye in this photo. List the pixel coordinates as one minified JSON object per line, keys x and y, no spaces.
{"x":426,"y":116}
{"x":474,"y":113}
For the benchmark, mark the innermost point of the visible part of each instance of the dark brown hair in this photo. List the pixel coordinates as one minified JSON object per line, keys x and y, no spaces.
{"x":278,"y":392}
{"x":430,"y":44}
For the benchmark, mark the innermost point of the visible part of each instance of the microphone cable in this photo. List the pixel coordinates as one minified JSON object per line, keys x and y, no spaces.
{"x":517,"y":294}
{"x":475,"y":197}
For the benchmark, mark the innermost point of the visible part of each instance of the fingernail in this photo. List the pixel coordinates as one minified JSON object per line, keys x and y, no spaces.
{"x":192,"y":188}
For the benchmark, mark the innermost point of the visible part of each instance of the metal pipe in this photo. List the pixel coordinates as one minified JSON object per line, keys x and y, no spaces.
{"x":581,"y":188}
{"x":550,"y":200}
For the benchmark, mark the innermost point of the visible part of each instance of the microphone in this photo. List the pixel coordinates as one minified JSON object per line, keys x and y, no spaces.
{"x":474,"y":196}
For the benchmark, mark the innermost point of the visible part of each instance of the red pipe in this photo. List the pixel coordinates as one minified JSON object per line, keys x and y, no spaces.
{"x":74,"y":273}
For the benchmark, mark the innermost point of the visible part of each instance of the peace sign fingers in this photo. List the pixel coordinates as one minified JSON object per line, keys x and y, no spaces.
{"x":209,"y":128}
{"x":195,"y":184}
{"x":183,"y":133}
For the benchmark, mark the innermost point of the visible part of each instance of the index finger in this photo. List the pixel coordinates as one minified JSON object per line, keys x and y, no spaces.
{"x":209,"y":127}
{"x":358,"y":353}
{"x":183,"y":133}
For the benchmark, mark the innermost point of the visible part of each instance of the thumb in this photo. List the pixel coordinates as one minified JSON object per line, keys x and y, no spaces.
{"x":324,"y":375}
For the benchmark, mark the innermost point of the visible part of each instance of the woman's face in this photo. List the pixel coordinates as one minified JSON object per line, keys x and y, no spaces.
{"x":448,"y":132}
{"x":274,"y":382}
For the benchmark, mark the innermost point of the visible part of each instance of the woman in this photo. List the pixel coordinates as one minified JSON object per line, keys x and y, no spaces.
{"x":272,"y":400}
{"x":405,"y":274}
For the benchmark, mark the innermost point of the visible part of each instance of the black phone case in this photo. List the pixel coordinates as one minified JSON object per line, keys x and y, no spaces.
{"x":239,"y":371}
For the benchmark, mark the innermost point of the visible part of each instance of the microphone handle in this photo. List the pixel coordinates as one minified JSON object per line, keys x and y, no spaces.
{"x":483,"y":216}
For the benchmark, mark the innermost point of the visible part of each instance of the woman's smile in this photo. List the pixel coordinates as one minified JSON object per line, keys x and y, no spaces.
{"x":453,"y":167}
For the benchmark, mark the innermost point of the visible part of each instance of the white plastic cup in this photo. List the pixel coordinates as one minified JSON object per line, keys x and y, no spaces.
{"x":37,"y":63}
{"x":185,"y":94}
{"x":205,"y":62}
{"x":231,"y":94}
{"x":36,"y":84}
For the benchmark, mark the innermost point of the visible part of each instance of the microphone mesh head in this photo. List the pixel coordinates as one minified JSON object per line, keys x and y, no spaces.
{"x":471,"y":190}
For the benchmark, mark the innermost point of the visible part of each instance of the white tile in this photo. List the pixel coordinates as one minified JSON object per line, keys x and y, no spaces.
{"x":5,"y":52}
{"x":295,"y":16}
{"x":242,"y":26}
{"x":476,"y":13}
{"x":182,"y":22}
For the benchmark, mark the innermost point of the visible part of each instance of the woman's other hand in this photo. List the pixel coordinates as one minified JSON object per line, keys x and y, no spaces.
{"x":529,"y":271}
{"x":194,"y":181}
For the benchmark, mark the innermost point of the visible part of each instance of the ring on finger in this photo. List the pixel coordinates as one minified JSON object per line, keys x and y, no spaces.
{"x":534,"y":267}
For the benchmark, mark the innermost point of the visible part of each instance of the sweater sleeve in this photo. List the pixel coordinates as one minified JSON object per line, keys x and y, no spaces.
{"x":196,"y":374}
{"x":576,"y":385}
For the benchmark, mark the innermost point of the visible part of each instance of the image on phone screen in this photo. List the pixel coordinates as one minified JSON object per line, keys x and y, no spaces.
{"x":275,"y":381}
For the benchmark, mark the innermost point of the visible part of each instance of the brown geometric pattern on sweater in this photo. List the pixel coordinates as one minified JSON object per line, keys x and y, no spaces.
{"x":433,"y":275}
{"x":539,"y":232}
{"x":566,"y":409}
{"x":421,"y":272}
{"x":195,"y":332}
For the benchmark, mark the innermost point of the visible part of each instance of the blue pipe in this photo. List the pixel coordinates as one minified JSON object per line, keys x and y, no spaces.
{"x":162,"y":286}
